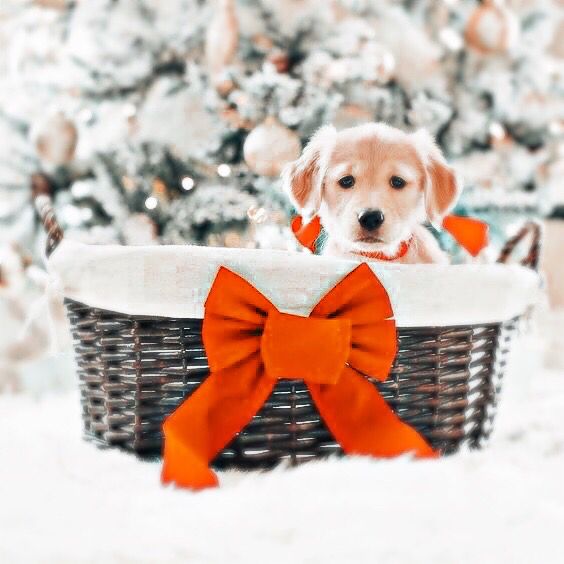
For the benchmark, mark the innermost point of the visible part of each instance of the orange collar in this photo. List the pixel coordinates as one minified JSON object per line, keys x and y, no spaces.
{"x":471,"y":234}
{"x":402,"y":251}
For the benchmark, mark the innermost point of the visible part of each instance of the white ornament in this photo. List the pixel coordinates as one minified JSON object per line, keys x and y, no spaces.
{"x":492,"y":28}
{"x":55,"y":139}
{"x":222,"y":37}
{"x":270,"y":146}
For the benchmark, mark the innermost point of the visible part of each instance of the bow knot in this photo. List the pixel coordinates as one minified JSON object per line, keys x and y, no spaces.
{"x":289,"y":342}
{"x":250,"y":345}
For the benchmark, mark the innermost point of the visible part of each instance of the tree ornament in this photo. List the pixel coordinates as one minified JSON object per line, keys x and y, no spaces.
{"x":222,"y":38}
{"x":56,"y":139}
{"x":269,"y":146}
{"x":160,"y":190}
{"x":492,"y":28}
{"x":223,"y":84}
{"x":279,"y":59}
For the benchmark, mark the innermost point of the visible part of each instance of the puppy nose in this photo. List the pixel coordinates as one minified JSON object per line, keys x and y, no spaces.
{"x":371,"y":219}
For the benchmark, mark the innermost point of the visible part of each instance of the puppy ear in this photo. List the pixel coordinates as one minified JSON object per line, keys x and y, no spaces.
{"x":442,"y":185}
{"x":302,"y":179}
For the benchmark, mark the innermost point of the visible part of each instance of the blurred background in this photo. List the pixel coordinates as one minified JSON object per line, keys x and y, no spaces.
{"x":169,"y":122}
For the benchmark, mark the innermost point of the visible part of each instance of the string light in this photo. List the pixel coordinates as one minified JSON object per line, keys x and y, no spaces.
{"x":129,"y":110}
{"x":224,"y":170}
{"x":497,"y":131}
{"x":187,"y":183}
{"x":151,"y":203}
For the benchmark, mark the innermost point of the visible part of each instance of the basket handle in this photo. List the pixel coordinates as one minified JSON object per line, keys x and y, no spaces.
{"x":44,"y":206}
{"x":531,"y":260}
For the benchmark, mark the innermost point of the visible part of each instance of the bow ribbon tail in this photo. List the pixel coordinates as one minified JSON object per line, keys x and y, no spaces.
{"x":471,"y":234}
{"x":353,"y":408}
{"x":362,"y":422}
{"x":201,"y":427}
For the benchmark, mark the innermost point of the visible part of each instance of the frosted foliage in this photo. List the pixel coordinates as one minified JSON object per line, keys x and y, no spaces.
{"x":103,"y":36}
{"x":192,"y":125}
{"x":211,"y":208}
{"x":133,"y":78}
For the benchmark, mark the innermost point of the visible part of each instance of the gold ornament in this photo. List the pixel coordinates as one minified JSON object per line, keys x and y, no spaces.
{"x":269,"y":146}
{"x":56,"y":139}
{"x":492,"y":28}
{"x":223,"y":84}
{"x":280,"y":60}
{"x":222,"y":39}
{"x":160,"y":190}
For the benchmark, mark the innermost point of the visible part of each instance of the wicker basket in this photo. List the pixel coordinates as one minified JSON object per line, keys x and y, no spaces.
{"x":135,"y":370}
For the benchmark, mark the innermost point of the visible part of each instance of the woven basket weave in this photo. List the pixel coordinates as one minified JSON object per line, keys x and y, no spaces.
{"x":135,"y":370}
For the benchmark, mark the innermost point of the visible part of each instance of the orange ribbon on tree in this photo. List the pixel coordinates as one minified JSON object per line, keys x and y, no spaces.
{"x":250,"y":345}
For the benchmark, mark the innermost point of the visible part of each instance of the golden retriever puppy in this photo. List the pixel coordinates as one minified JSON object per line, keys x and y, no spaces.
{"x":372,"y":187}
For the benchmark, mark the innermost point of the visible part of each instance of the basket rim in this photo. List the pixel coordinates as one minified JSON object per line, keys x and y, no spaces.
{"x":173,"y":281}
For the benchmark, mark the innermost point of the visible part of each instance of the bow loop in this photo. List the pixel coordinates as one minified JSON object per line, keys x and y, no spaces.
{"x":250,"y":344}
{"x":309,"y":348}
{"x":361,"y":298}
{"x":235,"y":316}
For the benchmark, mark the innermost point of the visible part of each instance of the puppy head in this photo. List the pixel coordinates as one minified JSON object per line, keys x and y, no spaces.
{"x":371,"y":184}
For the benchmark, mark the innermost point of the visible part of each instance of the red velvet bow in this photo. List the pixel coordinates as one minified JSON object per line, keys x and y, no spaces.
{"x":471,"y":234}
{"x":250,"y":345}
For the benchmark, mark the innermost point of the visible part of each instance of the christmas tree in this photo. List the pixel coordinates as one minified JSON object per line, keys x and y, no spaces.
{"x":170,"y":122}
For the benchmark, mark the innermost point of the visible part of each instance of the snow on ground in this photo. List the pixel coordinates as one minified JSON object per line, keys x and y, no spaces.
{"x":63,"y":500}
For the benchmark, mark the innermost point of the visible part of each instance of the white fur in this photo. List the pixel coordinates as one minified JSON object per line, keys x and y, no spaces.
{"x":66,"y":501}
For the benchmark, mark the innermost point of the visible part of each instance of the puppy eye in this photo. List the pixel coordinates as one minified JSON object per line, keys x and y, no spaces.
{"x":346,"y":181}
{"x":397,"y":182}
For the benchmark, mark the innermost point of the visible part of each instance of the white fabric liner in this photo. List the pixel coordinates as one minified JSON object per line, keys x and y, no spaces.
{"x":173,"y":281}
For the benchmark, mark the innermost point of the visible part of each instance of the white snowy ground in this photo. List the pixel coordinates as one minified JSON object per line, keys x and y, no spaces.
{"x":64,"y":501}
